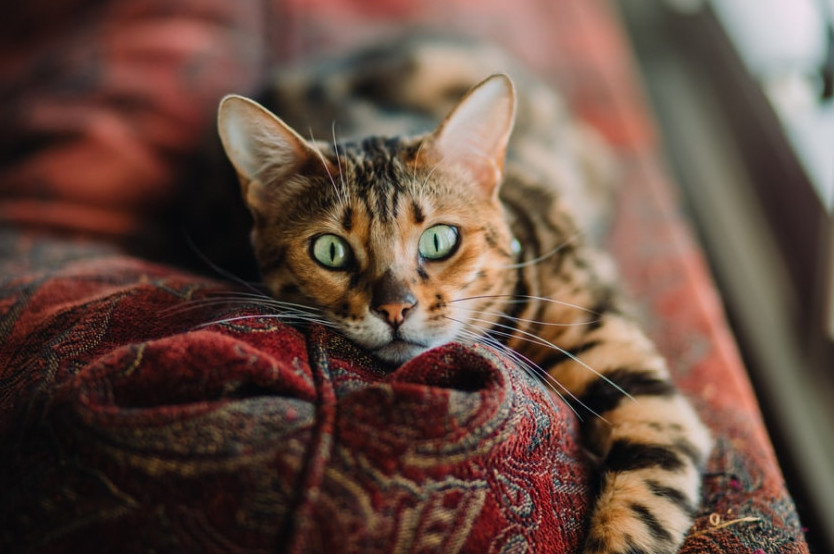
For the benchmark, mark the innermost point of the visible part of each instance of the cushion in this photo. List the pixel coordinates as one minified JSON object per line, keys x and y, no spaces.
{"x":142,"y":408}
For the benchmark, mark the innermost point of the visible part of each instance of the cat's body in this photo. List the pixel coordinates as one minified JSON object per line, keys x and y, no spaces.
{"x":410,"y":242}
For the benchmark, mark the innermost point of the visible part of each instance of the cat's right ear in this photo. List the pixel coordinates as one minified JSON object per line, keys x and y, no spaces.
{"x":473,"y":138}
{"x":265,"y":151}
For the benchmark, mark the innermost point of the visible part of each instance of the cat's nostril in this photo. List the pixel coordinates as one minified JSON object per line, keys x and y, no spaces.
{"x":395,"y":312}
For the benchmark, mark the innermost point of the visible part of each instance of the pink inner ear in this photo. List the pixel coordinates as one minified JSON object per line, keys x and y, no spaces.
{"x":474,"y":136}
{"x":257,"y":142}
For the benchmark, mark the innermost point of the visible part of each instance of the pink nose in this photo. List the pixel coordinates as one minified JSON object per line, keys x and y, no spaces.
{"x":395,"y":312}
{"x":392,"y":299}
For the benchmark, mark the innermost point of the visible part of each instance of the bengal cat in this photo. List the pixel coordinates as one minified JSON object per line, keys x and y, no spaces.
{"x":404,"y":242}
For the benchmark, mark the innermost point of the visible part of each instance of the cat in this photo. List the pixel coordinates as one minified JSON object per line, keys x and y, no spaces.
{"x":468,"y":231}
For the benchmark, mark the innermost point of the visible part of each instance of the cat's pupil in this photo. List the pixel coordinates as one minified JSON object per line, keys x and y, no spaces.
{"x":331,"y":252}
{"x":438,"y":242}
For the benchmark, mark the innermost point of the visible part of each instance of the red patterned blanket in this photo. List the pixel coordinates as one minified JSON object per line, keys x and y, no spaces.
{"x":128,"y":425}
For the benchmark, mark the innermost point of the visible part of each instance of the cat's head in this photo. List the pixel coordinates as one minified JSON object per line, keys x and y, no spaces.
{"x":401,"y":243}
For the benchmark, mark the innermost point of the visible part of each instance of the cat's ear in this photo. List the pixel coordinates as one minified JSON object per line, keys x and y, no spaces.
{"x":474,"y":136}
{"x":265,"y":151}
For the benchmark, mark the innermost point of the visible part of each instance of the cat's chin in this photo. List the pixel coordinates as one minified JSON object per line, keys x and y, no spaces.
{"x":398,"y":351}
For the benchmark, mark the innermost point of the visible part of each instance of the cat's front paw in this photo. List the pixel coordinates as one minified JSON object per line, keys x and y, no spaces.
{"x":633,"y":538}
{"x":641,"y":514}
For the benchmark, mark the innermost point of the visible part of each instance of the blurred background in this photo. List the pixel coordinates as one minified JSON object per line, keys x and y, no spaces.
{"x":743,"y":91}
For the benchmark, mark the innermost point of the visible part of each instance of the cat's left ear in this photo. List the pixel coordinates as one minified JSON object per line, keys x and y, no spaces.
{"x":473,"y":138}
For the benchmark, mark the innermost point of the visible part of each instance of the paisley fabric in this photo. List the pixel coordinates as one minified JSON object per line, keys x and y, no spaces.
{"x":133,"y":420}
{"x":130,"y":424}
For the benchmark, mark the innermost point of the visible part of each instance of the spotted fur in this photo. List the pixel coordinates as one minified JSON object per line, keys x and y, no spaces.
{"x":523,"y":276}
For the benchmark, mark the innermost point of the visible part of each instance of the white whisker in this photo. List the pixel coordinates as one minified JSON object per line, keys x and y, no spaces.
{"x":327,"y":170}
{"x":268,"y":301}
{"x":432,"y":170}
{"x":207,"y":303}
{"x":423,"y":142}
{"x":505,"y":315}
{"x":219,"y":270}
{"x":523,"y":298}
{"x":546,"y":255}
{"x":535,"y":371}
{"x":345,"y":191}
{"x":280,"y":317}
{"x":533,"y":339}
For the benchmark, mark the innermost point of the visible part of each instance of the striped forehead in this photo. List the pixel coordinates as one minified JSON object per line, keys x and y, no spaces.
{"x":379,"y":175}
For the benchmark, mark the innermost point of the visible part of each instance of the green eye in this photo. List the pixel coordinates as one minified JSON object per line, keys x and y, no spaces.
{"x":331,"y":251}
{"x":438,"y":242}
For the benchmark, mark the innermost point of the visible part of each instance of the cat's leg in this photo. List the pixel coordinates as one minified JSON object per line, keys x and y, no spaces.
{"x":650,"y":442}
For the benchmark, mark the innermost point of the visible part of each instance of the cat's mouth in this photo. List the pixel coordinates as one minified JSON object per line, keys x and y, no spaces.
{"x":399,"y":351}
